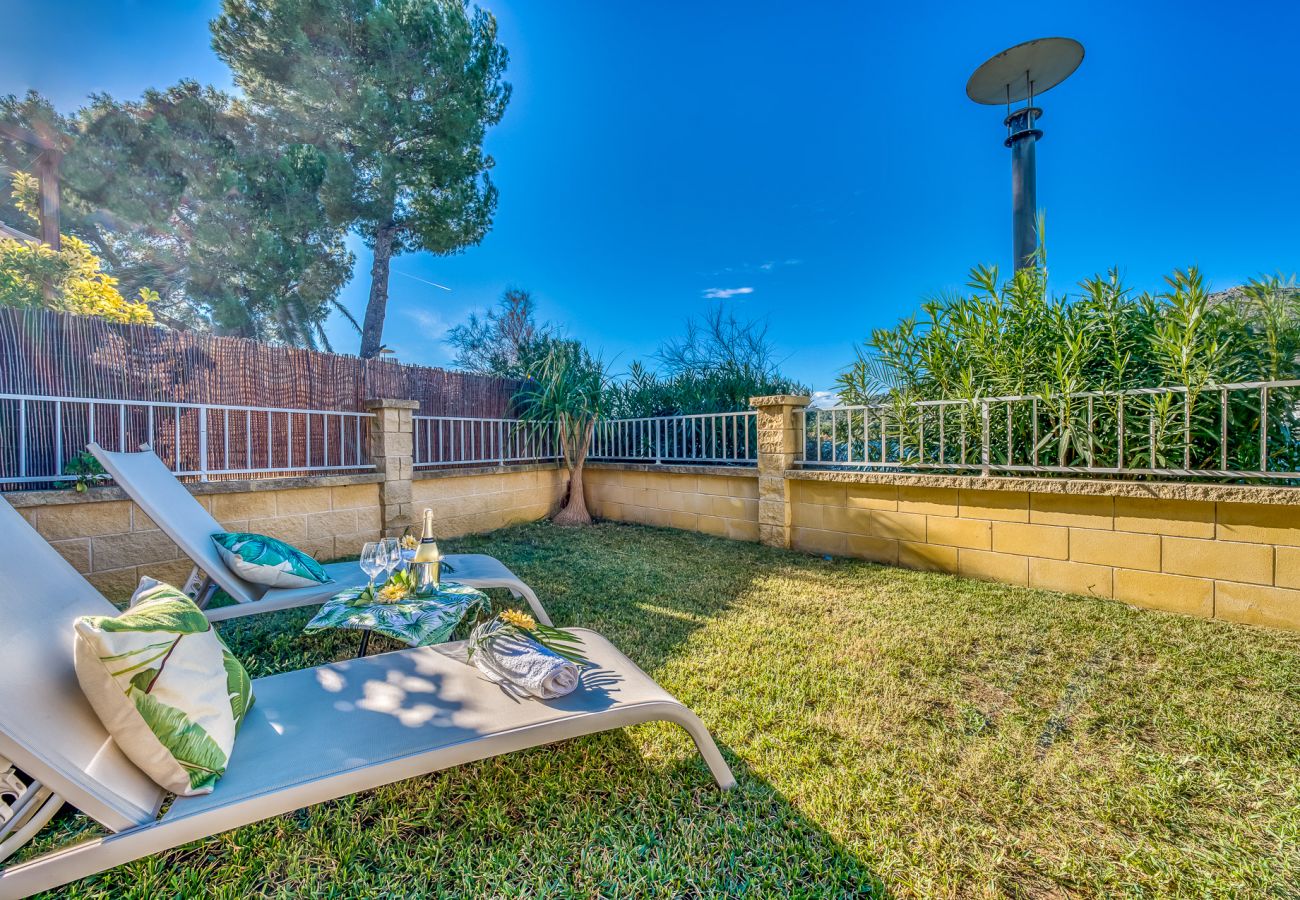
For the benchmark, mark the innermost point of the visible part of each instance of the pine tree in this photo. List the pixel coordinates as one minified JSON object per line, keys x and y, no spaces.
{"x":214,"y":211}
{"x":399,"y":95}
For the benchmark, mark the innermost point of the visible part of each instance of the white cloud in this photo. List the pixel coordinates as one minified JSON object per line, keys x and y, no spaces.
{"x":749,"y":268}
{"x":726,"y":293}
{"x":823,"y":400}
{"x":419,"y":337}
{"x":427,"y":320}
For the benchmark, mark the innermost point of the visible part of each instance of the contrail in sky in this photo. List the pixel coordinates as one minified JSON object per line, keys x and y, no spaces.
{"x":417,"y":278}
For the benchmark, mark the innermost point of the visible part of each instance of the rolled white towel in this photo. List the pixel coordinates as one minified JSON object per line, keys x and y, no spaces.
{"x":526,"y":665}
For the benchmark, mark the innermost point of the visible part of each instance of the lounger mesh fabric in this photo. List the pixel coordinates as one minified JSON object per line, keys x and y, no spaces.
{"x":47,"y":726}
{"x":174,"y":510}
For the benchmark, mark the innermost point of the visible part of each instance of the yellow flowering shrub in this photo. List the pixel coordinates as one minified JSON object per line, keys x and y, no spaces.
{"x":34,"y":275}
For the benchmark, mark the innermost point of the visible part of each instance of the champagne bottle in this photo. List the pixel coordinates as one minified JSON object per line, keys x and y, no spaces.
{"x":427,"y":561}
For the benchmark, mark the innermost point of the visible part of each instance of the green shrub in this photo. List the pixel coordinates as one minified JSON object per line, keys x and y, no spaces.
{"x":719,"y":364}
{"x":1014,"y":338}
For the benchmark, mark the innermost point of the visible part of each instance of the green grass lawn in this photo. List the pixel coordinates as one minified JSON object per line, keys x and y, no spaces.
{"x":894,"y":733}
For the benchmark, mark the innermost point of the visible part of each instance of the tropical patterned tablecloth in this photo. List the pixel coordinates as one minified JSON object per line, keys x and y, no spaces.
{"x":421,"y":621}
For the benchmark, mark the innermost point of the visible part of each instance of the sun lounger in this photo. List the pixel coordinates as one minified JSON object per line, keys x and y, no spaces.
{"x":313,"y":735}
{"x":183,"y":519}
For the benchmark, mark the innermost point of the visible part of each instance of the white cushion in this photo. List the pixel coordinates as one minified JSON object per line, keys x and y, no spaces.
{"x":165,"y":686}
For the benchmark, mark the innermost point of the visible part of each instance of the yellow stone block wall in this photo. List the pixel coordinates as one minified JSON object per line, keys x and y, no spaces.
{"x":483,"y":501}
{"x":722,"y":503}
{"x":114,"y":543}
{"x":1225,"y":560}
{"x":1237,"y":561}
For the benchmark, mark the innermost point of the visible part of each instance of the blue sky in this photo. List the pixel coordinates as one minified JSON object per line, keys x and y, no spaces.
{"x":821,"y":155}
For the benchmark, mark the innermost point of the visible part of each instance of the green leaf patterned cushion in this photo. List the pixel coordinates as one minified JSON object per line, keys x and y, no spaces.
{"x":265,"y":560}
{"x":165,"y":686}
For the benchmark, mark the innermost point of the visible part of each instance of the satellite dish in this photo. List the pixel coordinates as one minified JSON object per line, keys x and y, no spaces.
{"x":1024,"y":71}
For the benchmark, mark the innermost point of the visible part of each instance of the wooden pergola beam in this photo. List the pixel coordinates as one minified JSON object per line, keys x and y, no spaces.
{"x":47,"y":174}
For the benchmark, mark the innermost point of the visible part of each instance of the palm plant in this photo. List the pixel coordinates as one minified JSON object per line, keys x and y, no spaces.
{"x":565,"y":392}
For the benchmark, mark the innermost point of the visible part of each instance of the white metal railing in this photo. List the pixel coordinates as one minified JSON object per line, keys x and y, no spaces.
{"x":39,"y":435}
{"x":704,"y":438}
{"x":468,"y":441}
{"x":1243,"y":430}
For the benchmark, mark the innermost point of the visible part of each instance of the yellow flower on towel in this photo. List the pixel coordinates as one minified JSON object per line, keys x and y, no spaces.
{"x":518,"y":619}
{"x":513,"y":623}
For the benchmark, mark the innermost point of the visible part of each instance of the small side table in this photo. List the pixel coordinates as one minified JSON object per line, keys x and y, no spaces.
{"x":418,"y":621}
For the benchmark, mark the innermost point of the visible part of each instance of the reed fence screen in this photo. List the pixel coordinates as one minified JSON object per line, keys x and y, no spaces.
{"x":109,"y":374}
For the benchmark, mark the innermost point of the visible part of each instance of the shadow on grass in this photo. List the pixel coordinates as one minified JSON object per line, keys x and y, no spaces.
{"x":597,"y":817}
{"x":648,"y":605}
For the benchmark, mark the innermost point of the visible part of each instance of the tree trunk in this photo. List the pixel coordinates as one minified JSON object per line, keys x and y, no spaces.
{"x":372,"y":328}
{"x":575,"y":509}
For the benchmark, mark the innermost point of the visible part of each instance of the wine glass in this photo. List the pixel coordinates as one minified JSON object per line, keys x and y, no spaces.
{"x":374,"y":557}
{"x":392,"y":554}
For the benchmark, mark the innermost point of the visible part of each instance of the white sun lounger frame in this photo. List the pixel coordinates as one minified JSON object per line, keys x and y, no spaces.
{"x":312,"y":735}
{"x":154,"y":488}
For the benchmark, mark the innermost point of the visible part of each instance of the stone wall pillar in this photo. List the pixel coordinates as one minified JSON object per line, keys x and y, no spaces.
{"x":778,"y":442}
{"x":392,"y":449}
